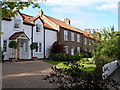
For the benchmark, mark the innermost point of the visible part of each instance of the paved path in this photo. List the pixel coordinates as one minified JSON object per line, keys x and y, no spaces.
{"x":27,"y":74}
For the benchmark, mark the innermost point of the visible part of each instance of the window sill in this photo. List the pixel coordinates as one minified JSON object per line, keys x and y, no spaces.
{"x":17,"y":29}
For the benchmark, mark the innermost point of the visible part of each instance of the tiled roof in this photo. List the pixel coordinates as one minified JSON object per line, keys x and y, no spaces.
{"x":30,"y":19}
{"x":16,"y":35}
{"x":27,"y":18}
{"x":64,"y":25}
{"x":46,"y":25}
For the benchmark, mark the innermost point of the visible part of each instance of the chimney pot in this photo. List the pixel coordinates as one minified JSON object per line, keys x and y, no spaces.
{"x":67,"y":21}
{"x":40,"y":13}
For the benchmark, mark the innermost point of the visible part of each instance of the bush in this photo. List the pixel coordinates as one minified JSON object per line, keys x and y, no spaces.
{"x":76,"y":57}
{"x":59,"y":57}
{"x":33,"y":46}
{"x":57,"y":48}
{"x":85,"y":54}
{"x":65,"y":57}
{"x":13,"y":44}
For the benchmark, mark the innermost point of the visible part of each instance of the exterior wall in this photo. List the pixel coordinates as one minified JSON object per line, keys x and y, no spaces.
{"x":50,"y":38}
{"x":38,"y":37}
{"x":86,"y":46}
{"x":8,"y":30}
{"x":70,"y":43}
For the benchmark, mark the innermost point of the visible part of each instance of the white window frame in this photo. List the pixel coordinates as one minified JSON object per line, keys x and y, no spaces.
{"x":66,"y":49}
{"x":71,"y":50}
{"x":17,"y":23}
{"x":38,"y":27}
{"x":78,"y":37}
{"x":26,"y":46}
{"x":89,"y":42}
{"x":78,"y":49}
{"x":65,"y":35}
{"x":85,"y":41}
{"x":40,"y":47}
{"x":72,"y":36}
{"x":5,"y":45}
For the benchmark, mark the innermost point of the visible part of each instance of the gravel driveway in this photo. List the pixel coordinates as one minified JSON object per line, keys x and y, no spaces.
{"x":26,"y":74}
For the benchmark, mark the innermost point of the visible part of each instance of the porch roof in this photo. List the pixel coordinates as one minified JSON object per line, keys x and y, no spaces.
{"x":17,"y":35}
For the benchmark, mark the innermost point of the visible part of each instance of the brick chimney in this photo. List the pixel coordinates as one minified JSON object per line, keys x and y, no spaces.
{"x":40,"y":13}
{"x":67,"y":21}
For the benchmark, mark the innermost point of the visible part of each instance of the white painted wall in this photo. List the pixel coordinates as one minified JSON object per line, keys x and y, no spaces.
{"x":39,"y":38}
{"x":50,"y":38}
{"x":8,"y":30}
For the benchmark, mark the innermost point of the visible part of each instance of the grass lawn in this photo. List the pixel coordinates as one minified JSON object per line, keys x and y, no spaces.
{"x":87,"y":67}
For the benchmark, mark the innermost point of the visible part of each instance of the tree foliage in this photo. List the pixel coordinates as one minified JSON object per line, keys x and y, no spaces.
{"x":8,"y":7}
{"x":57,"y":48}
{"x":13,"y":44}
{"x":109,"y":44}
{"x":74,"y":78}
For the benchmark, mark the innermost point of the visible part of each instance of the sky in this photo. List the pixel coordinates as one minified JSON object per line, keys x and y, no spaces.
{"x":82,"y":13}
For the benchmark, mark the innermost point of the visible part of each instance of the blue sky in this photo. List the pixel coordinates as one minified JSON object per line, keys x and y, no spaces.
{"x":82,"y":13}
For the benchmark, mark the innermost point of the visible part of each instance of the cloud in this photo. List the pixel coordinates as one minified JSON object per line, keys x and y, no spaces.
{"x":107,"y":6}
{"x":76,"y":2}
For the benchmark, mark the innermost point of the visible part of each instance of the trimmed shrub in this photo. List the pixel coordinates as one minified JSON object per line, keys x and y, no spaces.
{"x":57,"y":48}
{"x":65,"y":57}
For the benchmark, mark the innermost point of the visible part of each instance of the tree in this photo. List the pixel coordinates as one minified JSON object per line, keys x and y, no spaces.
{"x":108,"y":45}
{"x":13,"y":45}
{"x":8,"y":7}
{"x":57,"y":48}
{"x":34,"y":46}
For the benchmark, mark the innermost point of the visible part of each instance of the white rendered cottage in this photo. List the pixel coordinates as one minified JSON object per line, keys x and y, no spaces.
{"x":25,"y":29}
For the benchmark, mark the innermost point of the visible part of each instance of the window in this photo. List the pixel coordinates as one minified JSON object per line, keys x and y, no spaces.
{"x":38,"y":26}
{"x":93,"y":41}
{"x":78,"y":37}
{"x":78,"y":49}
{"x":85,"y":41}
{"x":26,"y":46}
{"x":72,"y":36}
{"x":89,"y":42}
{"x":65,"y":35}
{"x":40,"y":47}
{"x":66,"y":49}
{"x":5,"y":45}
{"x":17,"y":23}
{"x":72,"y":50}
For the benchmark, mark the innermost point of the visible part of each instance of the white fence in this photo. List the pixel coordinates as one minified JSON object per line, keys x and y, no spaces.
{"x":109,"y":68}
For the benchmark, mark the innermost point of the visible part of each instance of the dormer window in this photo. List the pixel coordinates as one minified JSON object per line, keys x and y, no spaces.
{"x":38,"y":27}
{"x":17,"y":23}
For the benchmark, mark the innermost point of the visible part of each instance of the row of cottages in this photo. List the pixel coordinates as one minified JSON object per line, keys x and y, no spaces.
{"x":43,"y":30}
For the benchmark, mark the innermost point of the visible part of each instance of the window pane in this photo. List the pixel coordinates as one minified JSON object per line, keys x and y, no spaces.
{"x":72,"y":36}
{"x":78,"y":38}
{"x":72,"y":50}
{"x":26,"y":46}
{"x":65,"y":35}
{"x":78,"y":49}
{"x":5,"y":45}
{"x":17,"y":23}
{"x":66,"y":49}
{"x":40,"y":47}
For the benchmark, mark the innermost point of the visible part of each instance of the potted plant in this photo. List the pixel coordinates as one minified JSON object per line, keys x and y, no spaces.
{"x":34,"y":46}
{"x":13,"y":45}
